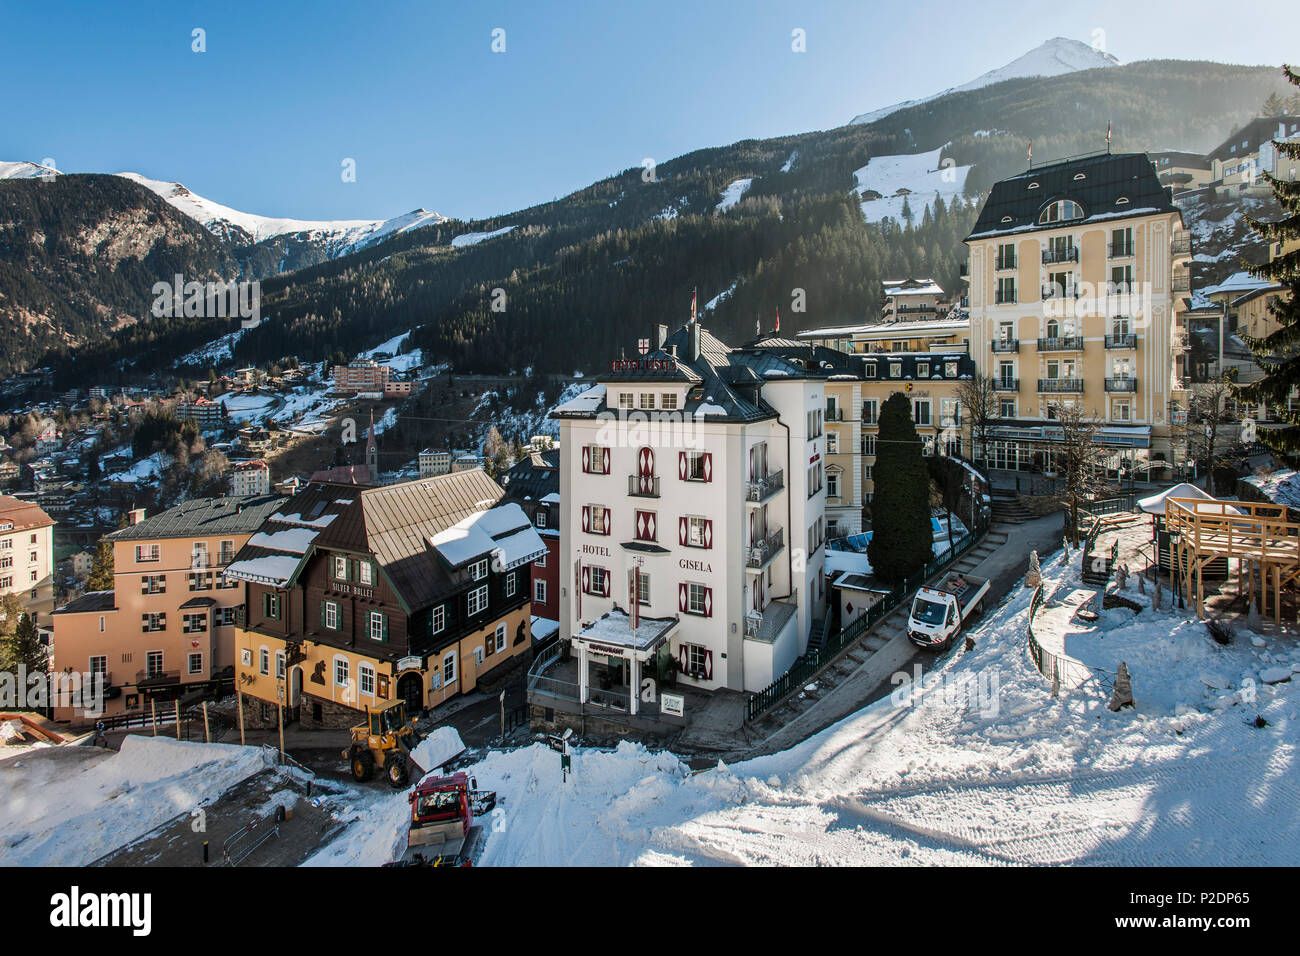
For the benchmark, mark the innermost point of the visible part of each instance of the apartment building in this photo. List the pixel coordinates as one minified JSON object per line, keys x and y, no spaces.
{"x":693,"y":483}
{"x":167,"y":627}
{"x":206,"y":413}
{"x":1239,"y":162}
{"x":248,"y":478}
{"x":357,"y":597}
{"x":1182,"y":170}
{"x":1078,"y":275}
{"x":434,"y":461}
{"x":27,"y":556}
{"x":913,"y":299}
{"x":366,"y":376}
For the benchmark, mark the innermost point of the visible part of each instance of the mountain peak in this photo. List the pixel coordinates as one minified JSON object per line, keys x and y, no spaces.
{"x":1053,"y":57}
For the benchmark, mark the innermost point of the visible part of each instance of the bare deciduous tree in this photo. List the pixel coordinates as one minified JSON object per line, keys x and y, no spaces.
{"x":979,"y":402}
{"x":1080,"y":458}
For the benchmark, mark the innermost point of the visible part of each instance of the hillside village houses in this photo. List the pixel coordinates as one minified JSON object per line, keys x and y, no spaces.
{"x":434,"y":461}
{"x":358,"y":596}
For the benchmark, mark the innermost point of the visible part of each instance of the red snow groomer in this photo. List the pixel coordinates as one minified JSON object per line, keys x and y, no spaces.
{"x":442,"y":830}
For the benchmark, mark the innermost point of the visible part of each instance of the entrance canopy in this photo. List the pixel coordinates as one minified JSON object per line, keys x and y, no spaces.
{"x":611,"y":635}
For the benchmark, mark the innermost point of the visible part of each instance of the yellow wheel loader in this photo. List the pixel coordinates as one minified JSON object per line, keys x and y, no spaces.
{"x":385,"y":741}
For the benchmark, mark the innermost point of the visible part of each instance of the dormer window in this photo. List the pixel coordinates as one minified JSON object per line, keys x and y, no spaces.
{"x":1079,"y":176}
{"x":1063,"y":210}
{"x":1006,"y":218}
{"x":1121,"y":201}
{"x":1033,"y":185}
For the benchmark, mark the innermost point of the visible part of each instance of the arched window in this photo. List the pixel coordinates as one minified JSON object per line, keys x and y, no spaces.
{"x":1063,"y":210}
{"x":1053,"y":329}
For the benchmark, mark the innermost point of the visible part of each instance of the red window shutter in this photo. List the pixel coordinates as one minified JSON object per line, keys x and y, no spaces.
{"x":708,"y":532}
{"x":586,"y":458}
{"x":586,"y":579}
{"x":681,"y":531}
{"x":681,"y":465}
{"x":604,"y":452}
{"x":708,"y":466}
{"x":683,"y":657}
{"x":708,"y":602}
{"x":681,"y":597}
{"x":607,"y":577}
{"x":586,"y":517}
{"x":708,"y":665}
{"x":609,"y":521}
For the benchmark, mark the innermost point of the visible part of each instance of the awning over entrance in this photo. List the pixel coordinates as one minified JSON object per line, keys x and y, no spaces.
{"x":612,"y":637}
{"x":1125,"y":436}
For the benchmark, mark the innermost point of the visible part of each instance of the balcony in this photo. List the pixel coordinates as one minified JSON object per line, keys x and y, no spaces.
{"x":835,"y":414}
{"x":1005,"y":345}
{"x":642,"y":486}
{"x":1182,"y":281}
{"x":1122,"y":340}
{"x":156,"y":678}
{"x":1004,"y":262}
{"x":1054,"y":291}
{"x":1124,"y":383}
{"x":1053,"y":256}
{"x":1004,"y":296}
{"x":1006,"y":385}
{"x":1120,"y":250}
{"x":1061,"y":343}
{"x":759,"y":554}
{"x":1181,"y":245}
{"x":760,"y":489}
{"x":1056,"y":386}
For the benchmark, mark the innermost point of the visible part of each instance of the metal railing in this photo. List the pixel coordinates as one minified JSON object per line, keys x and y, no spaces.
{"x":1005,"y":345}
{"x":760,"y":489}
{"x":1060,"y":343}
{"x":1060,"y":385}
{"x":1053,"y":255}
{"x":1055,"y":290}
{"x":1181,"y":245}
{"x":1003,"y":297}
{"x":1006,"y":385}
{"x":1122,"y":383}
{"x":244,"y":841}
{"x":765,"y":549}
{"x":1120,"y":250}
{"x":808,"y":666}
{"x":1004,"y":262}
{"x":1182,"y":283}
{"x":643,"y":486}
{"x":1122,"y":340}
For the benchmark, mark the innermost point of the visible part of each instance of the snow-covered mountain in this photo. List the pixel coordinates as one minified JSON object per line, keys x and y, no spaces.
{"x":336,"y":237}
{"x":1057,"y":56}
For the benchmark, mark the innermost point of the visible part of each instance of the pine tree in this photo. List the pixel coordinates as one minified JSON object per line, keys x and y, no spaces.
{"x":901,"y":537}
{"x":101,"y":568}
{"x":1278,"y":353}
{"x":23,"y":648}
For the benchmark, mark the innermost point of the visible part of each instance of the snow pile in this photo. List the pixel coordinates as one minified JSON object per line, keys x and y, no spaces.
{"x":910,"y":179}
{"x":1282,"y":486}
{"x":67,"y":806}
{"x":437,"y":748}
{"x":1057,"y":56}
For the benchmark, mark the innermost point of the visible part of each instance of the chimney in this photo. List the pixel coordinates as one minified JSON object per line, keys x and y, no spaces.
{"x":136,"y":516}
{"x":695,"y":340}
{"x":662,"y":335}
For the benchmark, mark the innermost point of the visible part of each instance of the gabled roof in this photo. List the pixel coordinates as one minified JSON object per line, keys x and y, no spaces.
{"x":1097,"y":183}
{"x":201,"y":517}
{"x":534,"y":476}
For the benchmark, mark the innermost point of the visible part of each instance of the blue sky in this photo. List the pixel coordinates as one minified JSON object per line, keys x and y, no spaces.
{"x":414,"y":94}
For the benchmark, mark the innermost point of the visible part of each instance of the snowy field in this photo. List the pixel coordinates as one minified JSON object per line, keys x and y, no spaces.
{"x":957,"y":773}
{"x":68,"y":806}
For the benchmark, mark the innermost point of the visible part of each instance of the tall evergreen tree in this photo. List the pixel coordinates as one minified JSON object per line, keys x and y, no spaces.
{"x":101,"y":568}
{"x":901,"y":538}
{"x":1278,"y":353}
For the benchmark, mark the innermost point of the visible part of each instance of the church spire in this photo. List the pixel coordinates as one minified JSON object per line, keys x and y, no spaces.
{"x":372,"y":452}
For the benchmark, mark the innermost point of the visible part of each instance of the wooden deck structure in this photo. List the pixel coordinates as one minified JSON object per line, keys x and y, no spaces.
{"x":1264,"y":543}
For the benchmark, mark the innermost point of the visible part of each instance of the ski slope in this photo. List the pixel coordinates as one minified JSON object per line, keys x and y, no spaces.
{"x":912,"y":179}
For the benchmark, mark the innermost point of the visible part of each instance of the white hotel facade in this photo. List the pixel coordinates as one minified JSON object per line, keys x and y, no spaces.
{"x":703,"y":467}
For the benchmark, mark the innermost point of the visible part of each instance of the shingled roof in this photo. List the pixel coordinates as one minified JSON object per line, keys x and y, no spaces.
{"x":201,"y":517}
{"x":1106,"y":185}
{"x":22,"y":515}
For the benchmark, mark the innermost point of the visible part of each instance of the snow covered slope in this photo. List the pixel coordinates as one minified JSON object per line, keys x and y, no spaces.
{"x":1057,"y":56}
{"x":340,"y":236}
{"x":887,"y":182}
{"x":24,"y":170}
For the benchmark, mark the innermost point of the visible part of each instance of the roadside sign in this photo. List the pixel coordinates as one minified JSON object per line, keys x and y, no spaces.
{"x":566,"y":763}
{"x":555,"y":742}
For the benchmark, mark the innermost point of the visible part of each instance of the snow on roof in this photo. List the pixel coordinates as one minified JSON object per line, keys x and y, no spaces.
{"x":588,"y":401}
{"x":615,"y":628}
{"x":504,"y":532}
{"x":1282,"y":487}
{"x":295,"y":540}
{"x":274,"y":569}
